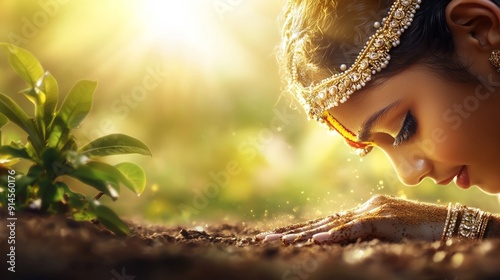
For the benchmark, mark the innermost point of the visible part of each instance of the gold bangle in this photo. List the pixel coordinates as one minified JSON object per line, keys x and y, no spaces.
{"x":470,"y":217}
{"x":451,"y":222}
{"x":446,"y":223}
{"x":472,"y":224}
{"x":484,"y":224}
{"x":476,"y":229}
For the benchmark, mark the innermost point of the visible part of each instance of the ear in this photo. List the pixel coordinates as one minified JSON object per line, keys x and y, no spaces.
{"x":476,"y":21}
{"x":475,"y":25}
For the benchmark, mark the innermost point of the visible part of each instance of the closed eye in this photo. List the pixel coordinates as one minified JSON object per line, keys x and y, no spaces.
{"x":408,"y":130}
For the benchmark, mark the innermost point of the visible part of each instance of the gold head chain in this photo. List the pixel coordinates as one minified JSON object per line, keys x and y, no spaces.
{"x":318,"y":98}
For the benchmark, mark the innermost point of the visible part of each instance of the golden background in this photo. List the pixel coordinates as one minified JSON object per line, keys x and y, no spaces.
{"x":197,"y":81}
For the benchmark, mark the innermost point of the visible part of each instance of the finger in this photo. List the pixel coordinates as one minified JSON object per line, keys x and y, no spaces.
{"x":272,"y":237}
{"x":289,"y":238}
{"x":346,"y":233}
{"x":321,"y":237}
{"x":308,"y":233}
{"x":311,"y":226}
{"x":325,"y":225}
{"x":297,"y":228}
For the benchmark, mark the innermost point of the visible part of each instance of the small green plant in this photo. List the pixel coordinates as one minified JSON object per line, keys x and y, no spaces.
{"x":55,"y":153}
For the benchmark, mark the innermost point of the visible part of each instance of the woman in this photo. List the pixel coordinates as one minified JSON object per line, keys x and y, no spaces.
{"x":418,"y":79}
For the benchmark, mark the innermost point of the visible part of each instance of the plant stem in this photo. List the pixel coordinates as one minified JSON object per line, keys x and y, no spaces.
{"x":98,"y":196}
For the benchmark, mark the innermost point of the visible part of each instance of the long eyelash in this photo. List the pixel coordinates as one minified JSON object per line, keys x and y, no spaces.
{"x":407,"y":131}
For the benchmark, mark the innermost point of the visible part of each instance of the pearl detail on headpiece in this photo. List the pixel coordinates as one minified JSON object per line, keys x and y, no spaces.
{"x":374,"y":57}
{"x":318,"y":98}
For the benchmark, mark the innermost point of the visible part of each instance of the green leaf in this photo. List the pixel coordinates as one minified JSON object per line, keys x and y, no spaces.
{"x":59,"y":134}
{"x":32,"y":96}
{"x":38,"y":99}
{"x":31,"y":151}
{"x":109,"y":219}
{"x":83,"y":215}
{"x":71,"y":144}
{"x":50,"y":88}
{"x":15,"y":114}
{"x":14,"y":152}
{"x":130,"y":175}
{"x":45,"y":97}
{"x":77,"y":104}
{"x":3,"y":120}
{"x":98,"y":179}
{"x":135,"y":174}
{"x":35,"y":171}
{"x":115,"y":144}
{"x":77,"y":203}
{"x":24,"y":63}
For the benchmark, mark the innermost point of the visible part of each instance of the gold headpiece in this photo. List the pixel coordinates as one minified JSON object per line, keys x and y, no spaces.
{"x":318,"y":98}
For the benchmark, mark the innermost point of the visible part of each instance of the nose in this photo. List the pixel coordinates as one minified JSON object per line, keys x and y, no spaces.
{"x":411,"y":164}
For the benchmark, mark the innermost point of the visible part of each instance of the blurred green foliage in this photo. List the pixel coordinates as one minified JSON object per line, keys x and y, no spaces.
{"x":54,"y":152}
{"x":200,"y":86}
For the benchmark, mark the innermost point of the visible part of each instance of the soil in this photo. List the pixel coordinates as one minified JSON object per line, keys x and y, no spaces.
{"x":53,"y":247}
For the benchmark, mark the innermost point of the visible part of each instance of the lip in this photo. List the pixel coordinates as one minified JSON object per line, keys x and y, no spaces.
{"x":462,"y":180}
{"x":447,"y":181}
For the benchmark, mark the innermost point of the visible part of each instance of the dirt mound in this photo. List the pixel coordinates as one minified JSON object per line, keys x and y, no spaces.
{"x":57,"y":248}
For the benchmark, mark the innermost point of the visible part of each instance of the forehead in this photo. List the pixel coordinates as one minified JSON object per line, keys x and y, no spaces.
{"x":411,"y":85}
{"x":365,"y":103}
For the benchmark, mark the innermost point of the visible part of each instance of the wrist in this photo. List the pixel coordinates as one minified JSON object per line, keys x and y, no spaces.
{"x":468,"y":223}
{"x":493,"y":227}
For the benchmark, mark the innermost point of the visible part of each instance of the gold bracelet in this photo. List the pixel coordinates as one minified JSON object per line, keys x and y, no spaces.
{"x":484,"y":224}
{"x":468,"y":223}
{"x":478,"y":225}
{"x":446,"y":223}
{"x":451,"y":221}
{"x":472,"y":226}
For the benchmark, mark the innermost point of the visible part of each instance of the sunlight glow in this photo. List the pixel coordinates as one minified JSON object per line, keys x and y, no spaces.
{"x":176,"y":23}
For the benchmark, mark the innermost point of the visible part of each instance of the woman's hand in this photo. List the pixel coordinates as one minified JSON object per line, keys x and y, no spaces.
{"x":382,"y":217}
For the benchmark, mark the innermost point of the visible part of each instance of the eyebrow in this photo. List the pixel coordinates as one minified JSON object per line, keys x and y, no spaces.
{"x":364,"y":133}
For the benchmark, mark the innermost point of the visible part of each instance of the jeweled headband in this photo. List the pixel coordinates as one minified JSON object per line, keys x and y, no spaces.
{"x":318,"y":98}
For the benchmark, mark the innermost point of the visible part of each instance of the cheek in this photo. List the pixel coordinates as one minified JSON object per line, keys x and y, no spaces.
{"x":441,"y":145}
{"x":459,"y":144}
{"x":449,"y":149}
{"x":445,"y":134}
{"x":446,"y":141}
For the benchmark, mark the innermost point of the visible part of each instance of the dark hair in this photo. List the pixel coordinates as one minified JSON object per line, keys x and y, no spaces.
{"x":320,"y":35}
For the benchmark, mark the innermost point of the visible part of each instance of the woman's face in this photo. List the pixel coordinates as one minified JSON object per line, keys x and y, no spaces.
{"x":431,"y":127}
